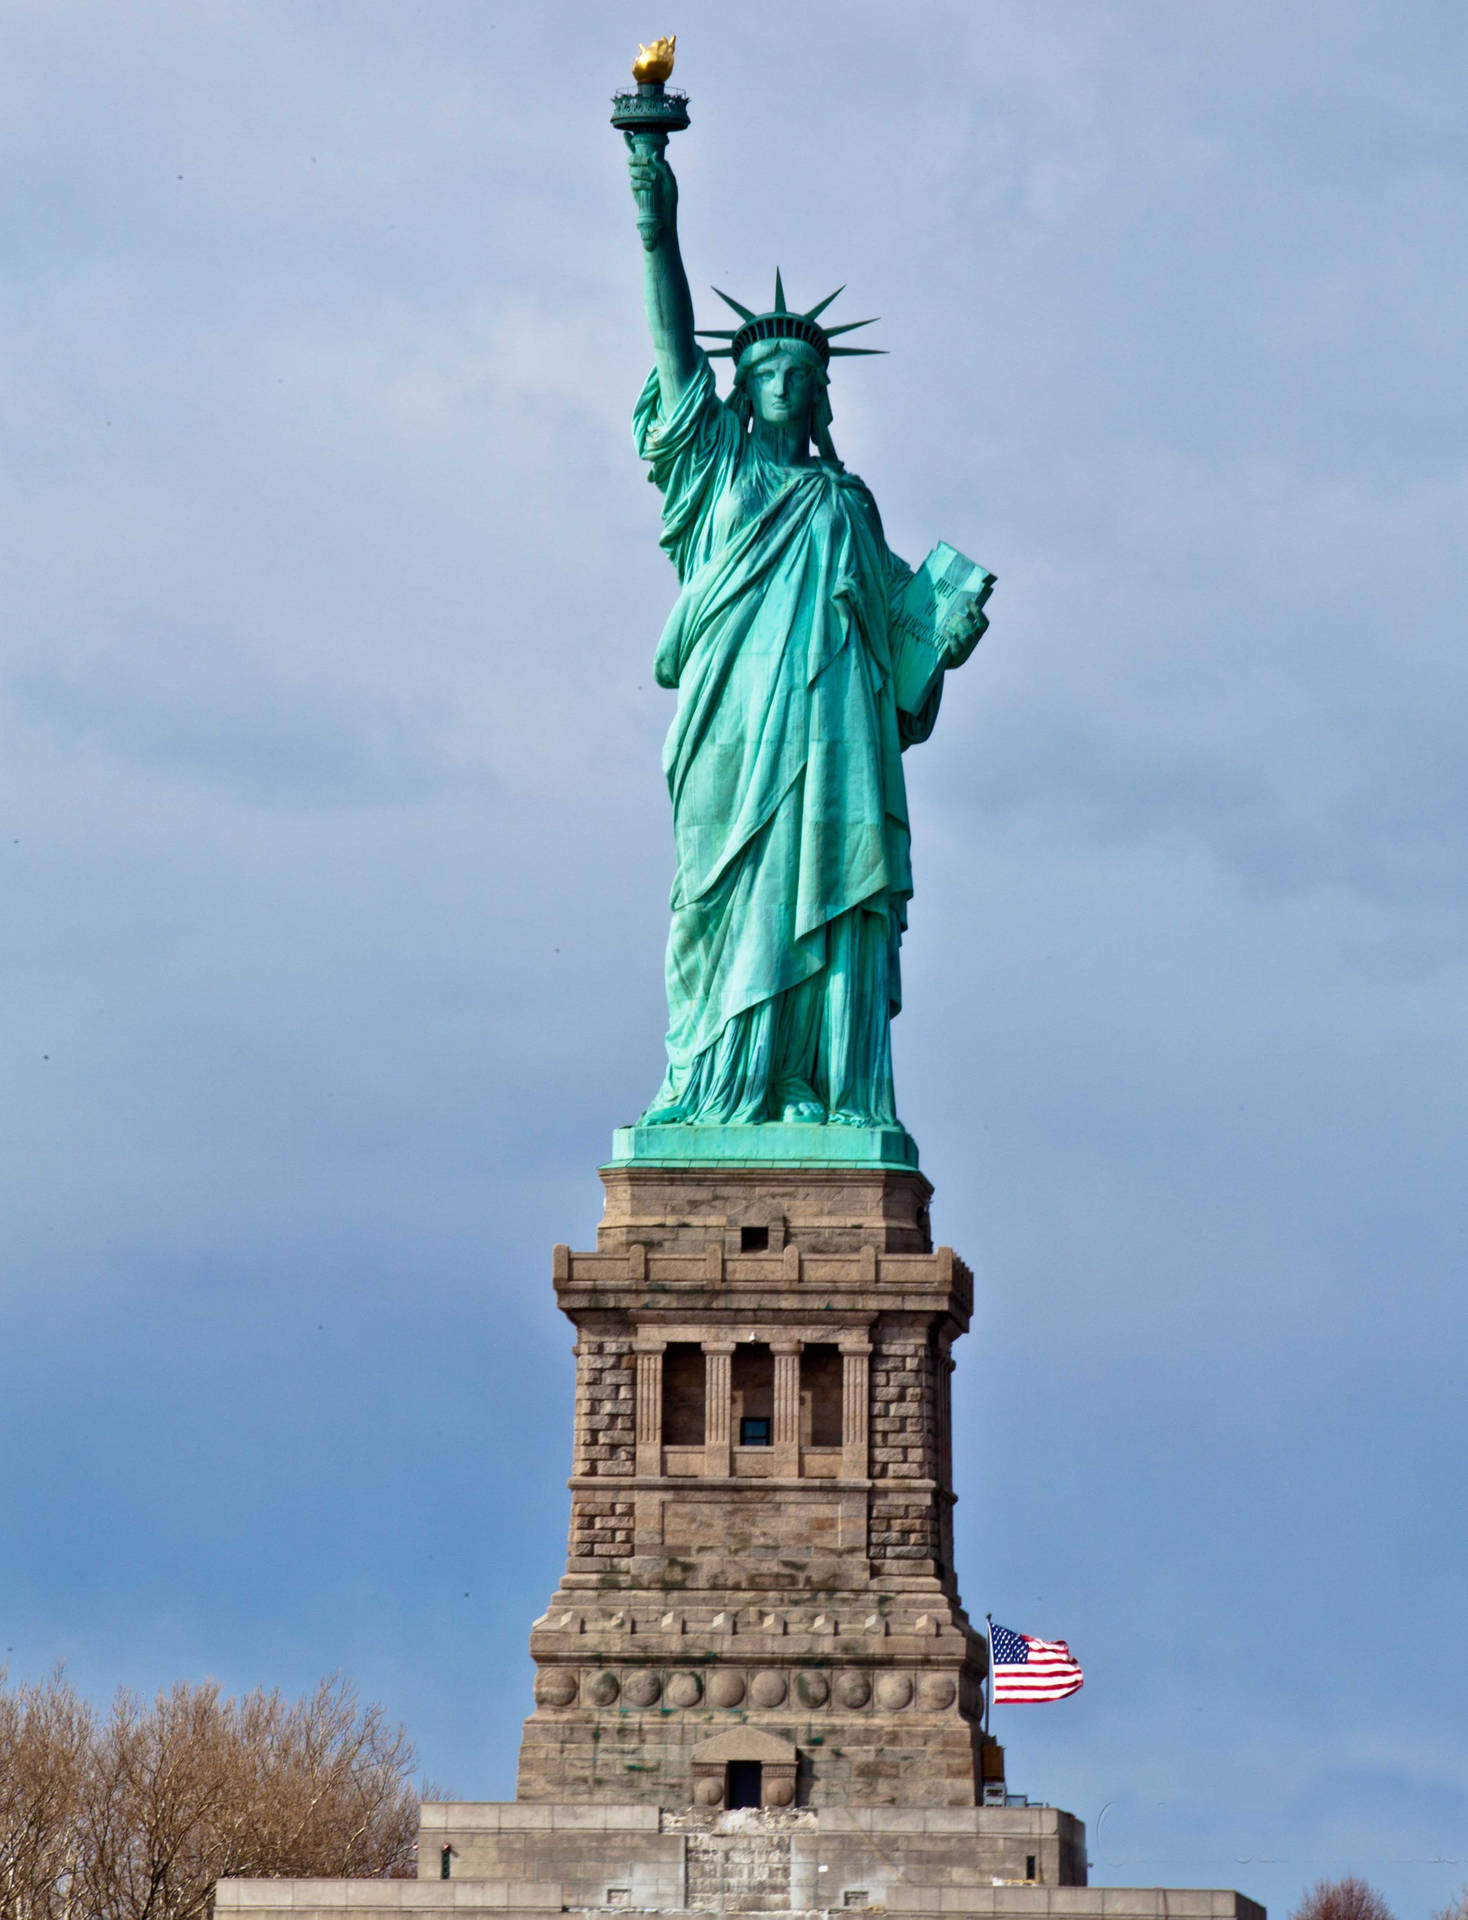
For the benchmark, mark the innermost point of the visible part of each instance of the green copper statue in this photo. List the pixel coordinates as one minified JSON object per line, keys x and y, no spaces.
{"x":791,"y":648}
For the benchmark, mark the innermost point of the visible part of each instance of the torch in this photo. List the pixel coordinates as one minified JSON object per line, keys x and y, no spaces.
{"x":647,"y":117}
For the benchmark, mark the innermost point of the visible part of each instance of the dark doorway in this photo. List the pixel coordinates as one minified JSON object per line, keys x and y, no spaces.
{"x":744,"y":1784}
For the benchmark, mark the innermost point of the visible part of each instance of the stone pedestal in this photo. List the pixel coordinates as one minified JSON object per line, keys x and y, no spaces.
{"x":761,"y":1500}
{"x":756,"y":1688}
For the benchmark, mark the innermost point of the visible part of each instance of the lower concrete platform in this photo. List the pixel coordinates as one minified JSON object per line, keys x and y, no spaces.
{"x":520,"y":1859}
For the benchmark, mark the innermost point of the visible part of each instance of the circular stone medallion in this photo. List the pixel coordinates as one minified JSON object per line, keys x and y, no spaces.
{"x":768,"y":1690}
{"x":854,"y":1689}
{"x":935,"y":1692}
{"x":726,"y":1689}
{"x":684,"y":1690}
{"x":894,"y":1691}
{"x":600,"y":1688}
{"x":555,"y":1687}
{"x":641,"y":1689}
{"x":812,"y":1689}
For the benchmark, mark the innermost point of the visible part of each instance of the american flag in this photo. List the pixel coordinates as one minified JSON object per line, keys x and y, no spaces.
{"x":1025,"y":1668}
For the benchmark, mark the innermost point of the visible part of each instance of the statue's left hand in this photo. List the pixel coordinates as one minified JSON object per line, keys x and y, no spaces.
{"x":964,"y":626}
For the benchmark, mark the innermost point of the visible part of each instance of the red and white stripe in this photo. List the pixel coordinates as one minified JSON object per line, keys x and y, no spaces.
{"x":1050,"y":1673}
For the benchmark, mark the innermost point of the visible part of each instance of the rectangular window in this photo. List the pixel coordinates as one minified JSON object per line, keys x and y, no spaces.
{"x":754,"y":1431}
{"x":754,"y":1239}
{"x":683,"y":1394}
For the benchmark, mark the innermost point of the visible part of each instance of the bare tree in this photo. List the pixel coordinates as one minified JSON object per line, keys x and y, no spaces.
{"x":1457,"y":1907}
{"x":137,"y":1817}
{"x":46,"y":1735}
{"x":1348,"y":1899}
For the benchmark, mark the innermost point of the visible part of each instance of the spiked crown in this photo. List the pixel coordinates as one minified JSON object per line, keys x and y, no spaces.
{"x":781,"y":323}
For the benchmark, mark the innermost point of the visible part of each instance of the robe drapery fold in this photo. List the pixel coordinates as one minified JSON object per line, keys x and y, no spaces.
{"x":784,"y":765}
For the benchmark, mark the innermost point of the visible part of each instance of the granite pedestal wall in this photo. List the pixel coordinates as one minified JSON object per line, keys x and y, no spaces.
{"x":761,"y":1519}
{"x":930,"y":1864}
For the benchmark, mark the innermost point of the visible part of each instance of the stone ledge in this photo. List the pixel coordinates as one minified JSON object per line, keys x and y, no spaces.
{"x":519,"y":1816}
{"x":1076,"y":1903}
{"x":882,"y":1279}
{"x":331,"y":1898}
{"x":506,"y":1900}
{"x":1000,"y":1822}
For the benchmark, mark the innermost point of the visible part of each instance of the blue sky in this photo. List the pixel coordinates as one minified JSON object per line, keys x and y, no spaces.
{"x":335,"y":853}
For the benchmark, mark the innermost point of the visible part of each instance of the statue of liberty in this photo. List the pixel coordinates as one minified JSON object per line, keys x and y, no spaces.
{"x":784,"y":758}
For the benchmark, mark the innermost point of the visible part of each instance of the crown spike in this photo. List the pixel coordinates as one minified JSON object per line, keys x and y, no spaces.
{"x":780,"y":306}
{"x":716,"y":333}
{"x":848,"y":352}
{"x":820,"y":306}
{"x":739,"y":308}
{"x":851,"y":326}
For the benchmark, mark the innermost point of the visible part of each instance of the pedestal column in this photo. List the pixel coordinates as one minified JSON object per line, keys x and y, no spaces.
{"x":855,"y":1377}
{"x":787,"y":1408}
{"x":649,"y":1406}
{"x":717,"y":1402}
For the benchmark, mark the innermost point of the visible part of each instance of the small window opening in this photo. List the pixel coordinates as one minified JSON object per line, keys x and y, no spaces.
{"x":743,"y":1789}
{"x":1029,"y":1866}
{"x":684,"y":1375}
{"x":856,"y":1897}
{"x":754,"y":1431}
{"x":445,"y":1863}
{"x":754,"y":1239}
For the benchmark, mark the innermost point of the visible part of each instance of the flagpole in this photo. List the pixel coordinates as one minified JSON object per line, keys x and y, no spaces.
{"x":989,"y":1690}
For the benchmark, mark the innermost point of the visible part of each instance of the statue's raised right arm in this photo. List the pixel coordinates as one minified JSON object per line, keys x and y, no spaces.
{"x":664,"y":282}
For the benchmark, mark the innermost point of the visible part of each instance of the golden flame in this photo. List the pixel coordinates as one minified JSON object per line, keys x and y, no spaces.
{"x":654,"y":62}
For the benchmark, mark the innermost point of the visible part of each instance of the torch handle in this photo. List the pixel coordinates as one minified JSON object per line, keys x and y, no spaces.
{"x":647,"y":146}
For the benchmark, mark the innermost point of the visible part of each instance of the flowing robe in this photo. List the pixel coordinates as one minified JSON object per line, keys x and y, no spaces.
{"x":784,"y":764}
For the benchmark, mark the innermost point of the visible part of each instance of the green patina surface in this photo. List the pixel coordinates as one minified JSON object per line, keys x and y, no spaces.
{"x":784,"y":758}
{"x":765,"y":1144}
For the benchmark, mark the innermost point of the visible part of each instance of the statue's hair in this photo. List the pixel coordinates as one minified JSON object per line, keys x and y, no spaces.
{"x":743,"y":405}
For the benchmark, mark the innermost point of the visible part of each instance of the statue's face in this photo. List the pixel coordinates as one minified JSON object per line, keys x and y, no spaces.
{"x":782,"y":389}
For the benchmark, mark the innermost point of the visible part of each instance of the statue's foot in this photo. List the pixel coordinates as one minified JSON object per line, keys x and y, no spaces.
{"x":804,"y":1113}
{"x":669,"y":1116}
{"x":847,"y":1117}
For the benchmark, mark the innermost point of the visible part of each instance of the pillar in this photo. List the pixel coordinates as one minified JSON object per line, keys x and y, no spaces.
{"x":786,"y":1462}
{"x":649,"y":1407}
{"x":716,"y":1408}
{"x":855,"y":1371}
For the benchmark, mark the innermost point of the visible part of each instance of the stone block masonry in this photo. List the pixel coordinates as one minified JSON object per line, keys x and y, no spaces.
{"x":762,"y":1362}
